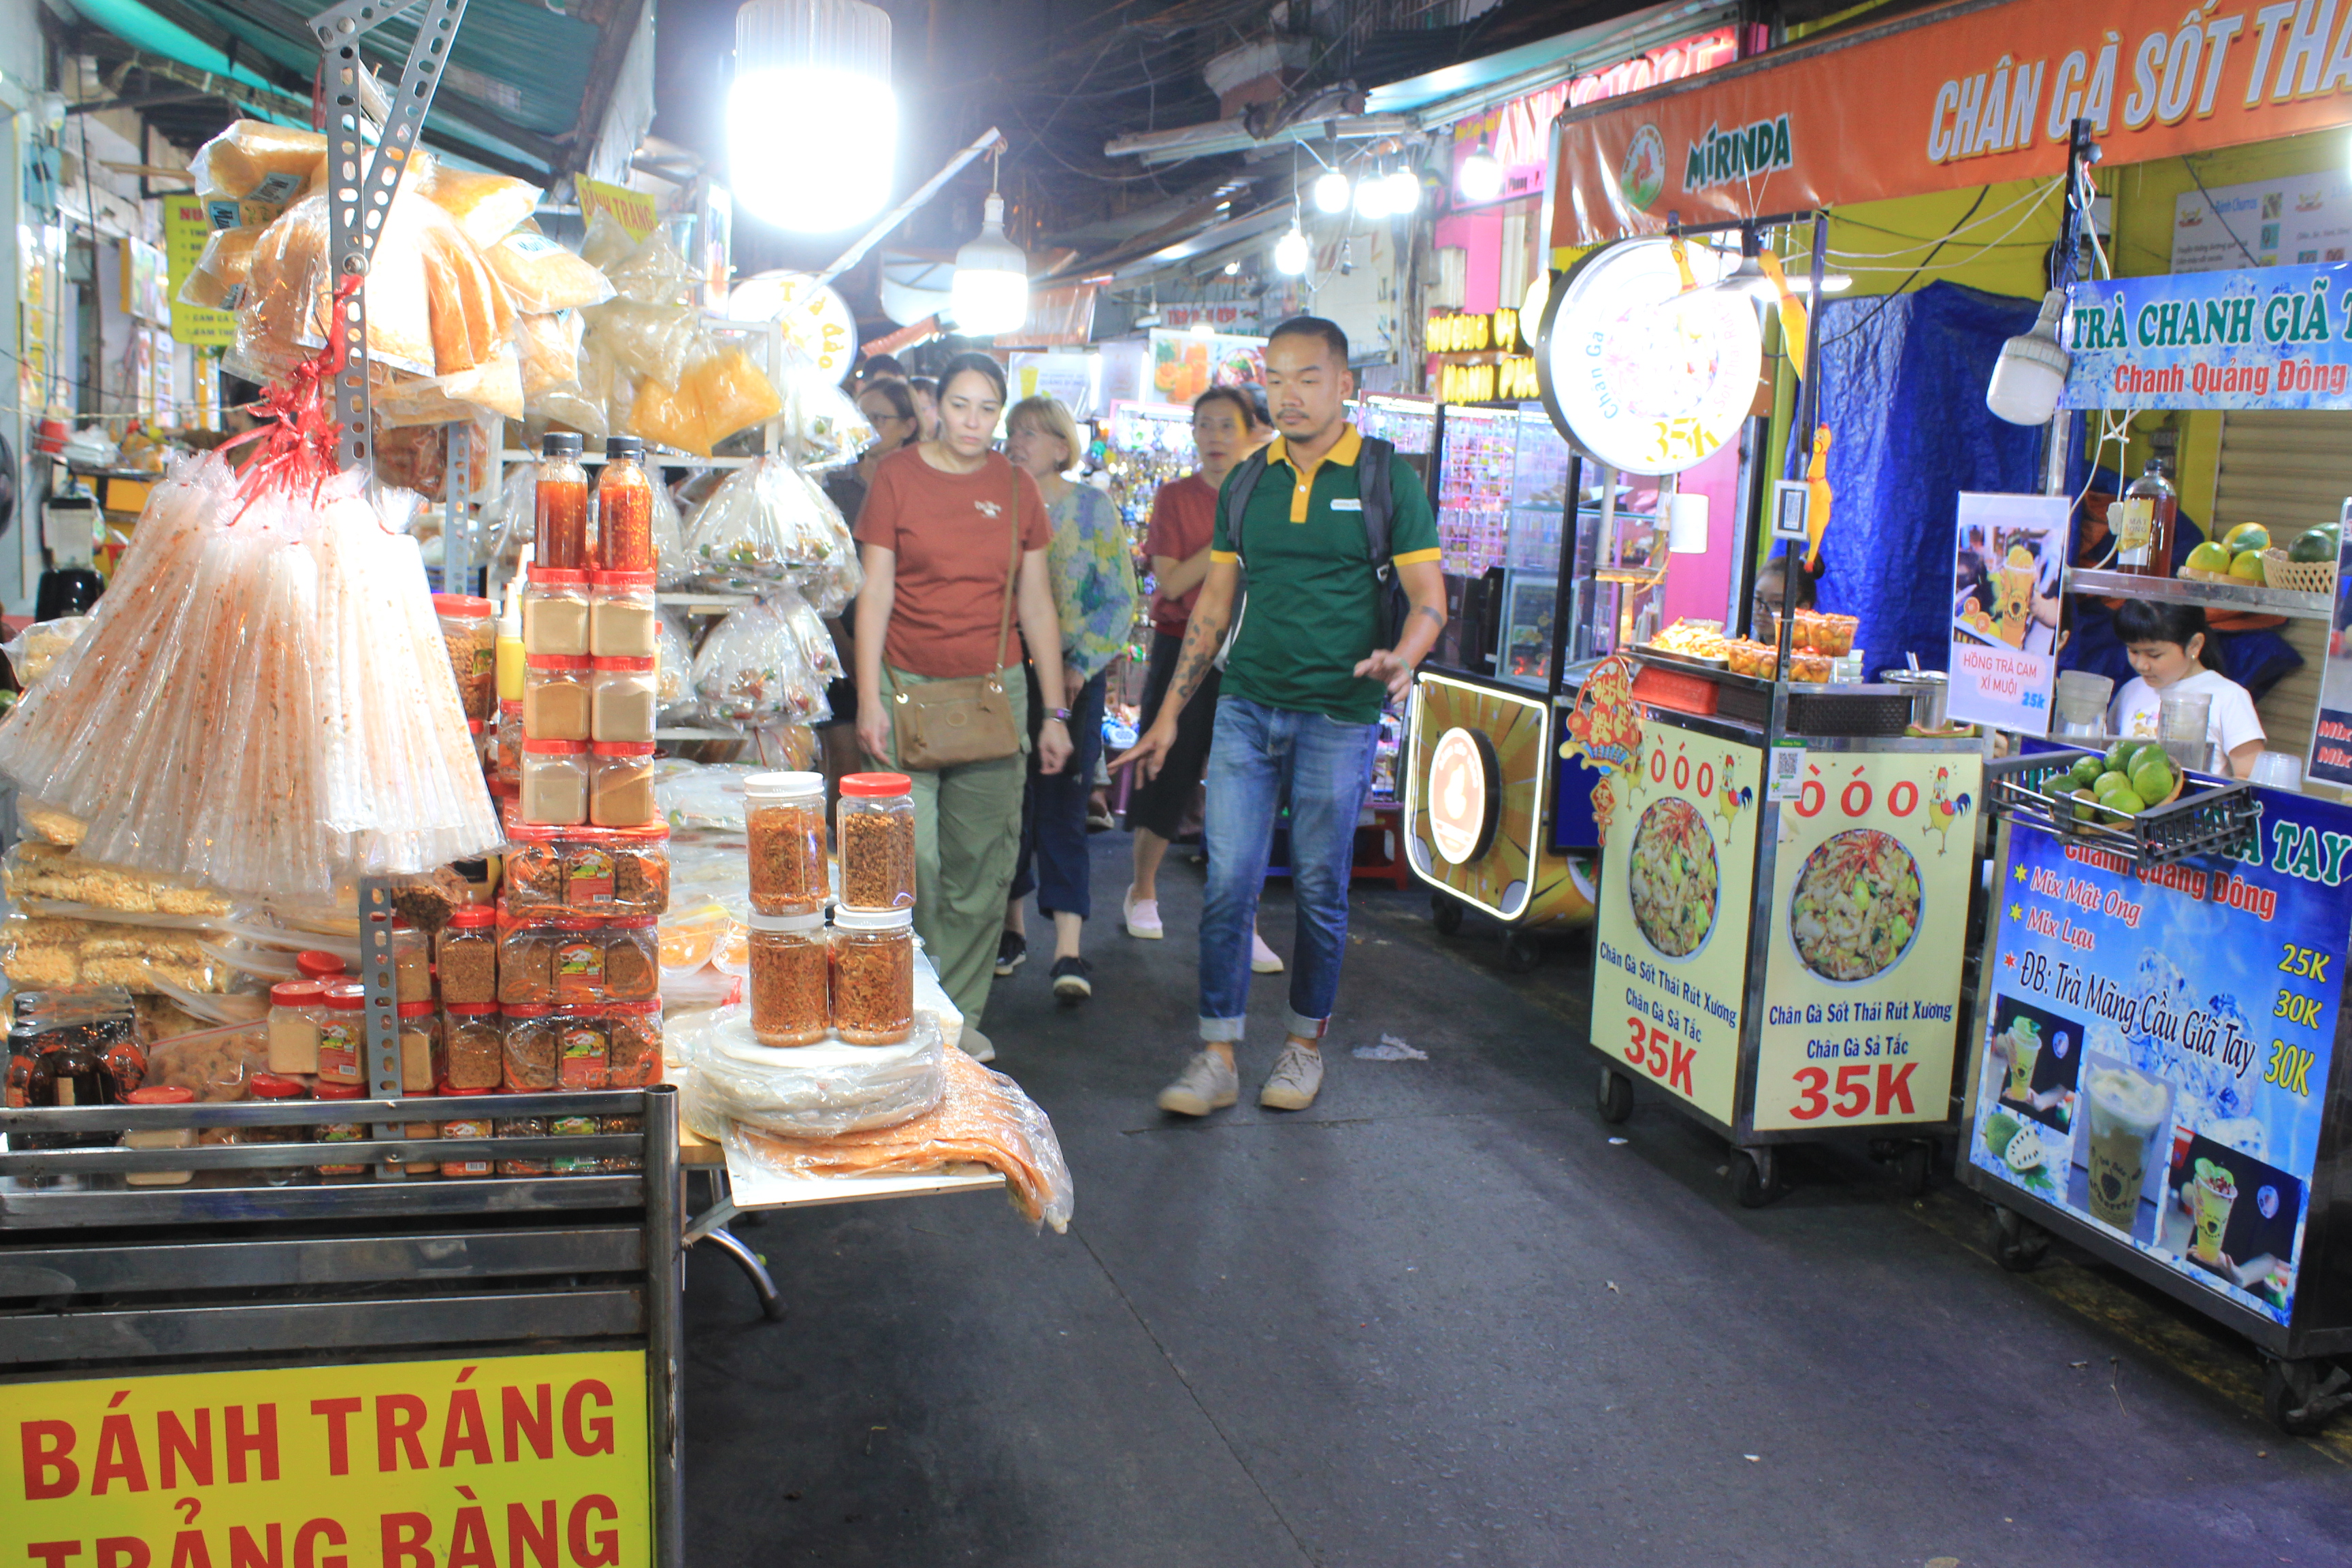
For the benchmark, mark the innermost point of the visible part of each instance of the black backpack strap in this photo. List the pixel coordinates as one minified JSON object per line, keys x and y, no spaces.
{"x":1237,"y":493}
{"x":1372,"y":483}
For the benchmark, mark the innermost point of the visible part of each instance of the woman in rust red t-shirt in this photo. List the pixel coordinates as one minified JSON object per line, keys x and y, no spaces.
{"x":936,"y":536}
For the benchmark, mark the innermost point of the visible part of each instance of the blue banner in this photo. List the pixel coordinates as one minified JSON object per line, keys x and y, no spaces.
{"x":2258,"y":337}
{"x":2157,"y":1050}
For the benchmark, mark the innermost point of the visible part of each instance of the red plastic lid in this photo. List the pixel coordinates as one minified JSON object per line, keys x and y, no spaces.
{"x":474,"y":915}
{"x":875,"y":785}
{"x":160,"y":1094}
{"x":623,"y":748}
{"x":620,"y":579}
{"x":468,"y":1009}
{"x":317,"y":965}
{"x":463,"y":604}
{"x":338,"y":1090}
{"x":573,"y":922}
{"x":561,"y":663}
{"x":557,"y":748}
{"x":631,"y":922}
{"x":269,"y":1086}
{"x":346,"y":996}
{"x":652,"y":833}
{"x":296,"y":993}
{"x":415,"y":1009}
{"x":523,"y":1010}
{"x":634,"y":666}
{"x":473,"y":726}
{"x":655,"y":1005}
{"x":467,"y":1093}
{"x":510,"y":705}
{"x":596,"y":1010}
{"x":556,"y":576}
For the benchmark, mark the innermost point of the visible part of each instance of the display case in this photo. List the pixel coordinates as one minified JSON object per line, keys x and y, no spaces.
{"x":1502,"y":488}
{"x":1145,"y":445}
{"x":1621,"y":561}
{"x":1408,"y":424}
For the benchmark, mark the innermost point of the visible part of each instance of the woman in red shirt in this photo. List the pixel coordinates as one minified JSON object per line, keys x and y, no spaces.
{"x":935,"y":536}
{"x":1227,"y":426}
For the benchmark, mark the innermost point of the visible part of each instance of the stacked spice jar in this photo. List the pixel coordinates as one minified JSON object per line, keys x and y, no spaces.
{"x":856,"y":982}
{"x":584,"y":726}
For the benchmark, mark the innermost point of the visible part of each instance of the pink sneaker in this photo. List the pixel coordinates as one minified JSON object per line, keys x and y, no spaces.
{"x":1264,"y":960}
{"x":1142,"y":916}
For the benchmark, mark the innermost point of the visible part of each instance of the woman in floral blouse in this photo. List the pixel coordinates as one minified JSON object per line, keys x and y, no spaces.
{"x":1093,"y":572}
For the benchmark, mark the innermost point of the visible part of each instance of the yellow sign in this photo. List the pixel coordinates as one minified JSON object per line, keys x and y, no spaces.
{"x":1870,"y":901}
{"x":532,"y":1461}
{"x":1677,"y":889}
{"x":185,"y":230}
{"x":632,"y":210}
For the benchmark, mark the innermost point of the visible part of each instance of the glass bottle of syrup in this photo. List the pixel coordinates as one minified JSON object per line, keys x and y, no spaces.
{"x":2143,"y":524}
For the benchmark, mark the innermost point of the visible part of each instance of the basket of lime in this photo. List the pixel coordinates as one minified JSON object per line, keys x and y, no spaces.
{"x":2131,"y":799}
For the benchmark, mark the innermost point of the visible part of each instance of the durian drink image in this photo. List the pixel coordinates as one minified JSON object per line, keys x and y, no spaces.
{"x":2025,"y":1053}
{"x":2125,"y":1108}
{"x":2210,"y":1198}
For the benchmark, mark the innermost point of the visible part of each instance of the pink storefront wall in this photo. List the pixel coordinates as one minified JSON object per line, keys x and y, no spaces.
{"x":1697,"y":585}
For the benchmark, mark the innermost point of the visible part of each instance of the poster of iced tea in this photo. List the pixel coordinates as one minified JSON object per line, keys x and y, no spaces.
{"x":1186,"y":364}
{"x":2156,"y":1048}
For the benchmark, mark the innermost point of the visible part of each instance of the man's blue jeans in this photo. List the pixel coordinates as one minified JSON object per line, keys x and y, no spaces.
{"x":1327,"y":766}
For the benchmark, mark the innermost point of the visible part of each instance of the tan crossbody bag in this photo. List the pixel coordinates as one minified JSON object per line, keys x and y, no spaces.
{"x":946,"y":724}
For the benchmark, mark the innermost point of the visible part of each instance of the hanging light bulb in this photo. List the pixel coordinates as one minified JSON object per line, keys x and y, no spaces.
{"x":1372,"y":196}
{"x":802,"y":69}
{"x":990,"y":292}
{"x":1331,"y":192}
{"x":1291,"y":253}
{"x":2032,"y":371}
{"x":1404,"y":192}
{"x":1480,"y":178}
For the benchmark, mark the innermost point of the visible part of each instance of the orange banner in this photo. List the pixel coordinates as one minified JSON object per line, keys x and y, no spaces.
{"x":1975,"y":93}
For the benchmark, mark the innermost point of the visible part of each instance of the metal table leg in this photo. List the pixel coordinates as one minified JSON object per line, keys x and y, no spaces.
{"x":711,"y":1225}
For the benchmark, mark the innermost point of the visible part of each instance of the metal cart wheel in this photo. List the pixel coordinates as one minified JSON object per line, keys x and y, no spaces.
{"x":1914,"y":1164}
{"x":1755,"y":1177}
{"x":2017,"y":1244}
{"x":1616,"y":1096}
{"x":1522,"y":951}
{"x":2302,"y":1396}
{"x":1445,"y":915}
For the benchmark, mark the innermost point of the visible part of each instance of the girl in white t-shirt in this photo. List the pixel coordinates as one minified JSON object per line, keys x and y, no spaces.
{"x":2165,"y":644}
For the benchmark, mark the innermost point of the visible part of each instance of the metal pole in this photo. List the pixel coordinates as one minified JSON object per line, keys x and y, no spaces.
{"x":665,"y":1322}
{"x":1563,"y":589}
{"x":990,"y":138}
{"x":2081,"y":153}
{"x":1800,"y":439}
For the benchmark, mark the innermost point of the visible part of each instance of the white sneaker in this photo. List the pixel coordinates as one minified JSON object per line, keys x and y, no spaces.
{"x":1264,"y":960}
{"x":976,"y":1045}
{"x":1142,"y":916}
{"x":1207,"y":1083}
{"x":1297,"y":1074}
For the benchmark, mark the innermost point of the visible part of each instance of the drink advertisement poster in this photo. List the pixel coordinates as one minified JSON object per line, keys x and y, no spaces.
{"x":2009,"y":555}
{"x":1869,"y":919}
{"x":2157,"y":1050}
{"x":1677,"y":889}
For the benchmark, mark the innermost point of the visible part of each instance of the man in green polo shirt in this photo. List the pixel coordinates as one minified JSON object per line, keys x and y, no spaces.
{"x":1300,"y":703}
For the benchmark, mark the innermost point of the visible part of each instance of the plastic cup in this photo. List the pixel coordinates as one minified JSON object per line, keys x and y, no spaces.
{"x":2278,"y":770}
{"x":2126,"y":1107}
{"x":2211,"y":1196}
{"x":2180,"y":725}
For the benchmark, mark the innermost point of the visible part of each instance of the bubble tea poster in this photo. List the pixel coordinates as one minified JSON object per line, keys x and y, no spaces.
{"x":2157,"y":1049}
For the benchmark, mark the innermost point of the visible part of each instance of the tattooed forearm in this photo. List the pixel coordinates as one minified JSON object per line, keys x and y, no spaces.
{"x":1433,"y":612}
{"x":1200,"y":639}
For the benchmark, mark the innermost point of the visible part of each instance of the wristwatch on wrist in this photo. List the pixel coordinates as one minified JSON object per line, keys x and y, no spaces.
{"x":1059,"y":715}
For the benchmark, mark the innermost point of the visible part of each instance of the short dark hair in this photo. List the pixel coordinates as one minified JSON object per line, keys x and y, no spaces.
{"x":1315,"y":327}
{"x":894,"y":394}
{"x":2142,"y":620}
{"x":1245,"y":407}
{"x":972,"y":364}
{"x":880,"y":364}
{"x":924,"y":384}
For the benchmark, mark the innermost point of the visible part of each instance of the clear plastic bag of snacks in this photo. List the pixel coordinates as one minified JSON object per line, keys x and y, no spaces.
{"x":751,"y":671}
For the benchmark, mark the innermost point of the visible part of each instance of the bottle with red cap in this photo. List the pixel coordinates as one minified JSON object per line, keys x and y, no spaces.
{"x":274,"y":1089}
{"x":339,"y":1132}
{"x":160,"y":1137}
{"x":876,"y":823}
{"x":474,"y":1124}
{"x":342,"y":1033}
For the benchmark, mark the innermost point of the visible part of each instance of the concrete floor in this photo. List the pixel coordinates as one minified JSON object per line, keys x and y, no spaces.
{"x":1443,"y":1318}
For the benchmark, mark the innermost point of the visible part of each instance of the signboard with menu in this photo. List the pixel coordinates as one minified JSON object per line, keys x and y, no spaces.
{"x":2007,"y":563}
{"x":1869,"y":917}
{"x":2157,"y":1047}
{"x":527,"y":1458}
{"x":1678,"y":891}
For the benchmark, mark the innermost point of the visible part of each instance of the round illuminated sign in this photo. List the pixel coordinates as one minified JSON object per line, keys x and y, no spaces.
{"x":1640,"y":373}
{"x":1465,"y":796}
{"x":816,"y":319}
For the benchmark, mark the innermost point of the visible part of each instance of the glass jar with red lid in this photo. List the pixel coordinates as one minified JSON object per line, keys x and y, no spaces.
{"x":342,"y":1034}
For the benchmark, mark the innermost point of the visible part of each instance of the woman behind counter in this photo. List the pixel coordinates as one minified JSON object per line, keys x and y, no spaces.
{"x":935,"y":536}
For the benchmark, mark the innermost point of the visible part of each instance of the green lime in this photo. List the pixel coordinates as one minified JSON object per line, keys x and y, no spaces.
{"x":2119,"y":756}
{"x":2108,"y":783}
{"x":2086,"y":806}
{"x":2087,"y":771}
{"x":2207,"y":557}
{"x":2151,"y":777}
{"x":2248,"y":536}
{"x":2248,"y":568}
{"x":2122,"y":800}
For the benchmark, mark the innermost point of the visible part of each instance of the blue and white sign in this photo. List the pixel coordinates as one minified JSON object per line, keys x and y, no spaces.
{"x":2157,"y":1049}
{"x":2264,"y":337}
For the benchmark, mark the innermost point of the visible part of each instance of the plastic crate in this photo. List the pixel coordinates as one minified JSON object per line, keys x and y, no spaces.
{"x":2217,"y":819}
{"x":1682,"y":691}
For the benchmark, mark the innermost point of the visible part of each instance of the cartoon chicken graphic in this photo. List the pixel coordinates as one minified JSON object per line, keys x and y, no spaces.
{"x":1944,"y":809}
{"x":1730,"y":802}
